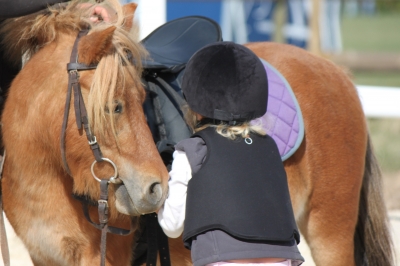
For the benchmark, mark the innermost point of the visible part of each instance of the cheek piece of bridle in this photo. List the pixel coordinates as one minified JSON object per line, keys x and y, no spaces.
{"x":73,"y":68}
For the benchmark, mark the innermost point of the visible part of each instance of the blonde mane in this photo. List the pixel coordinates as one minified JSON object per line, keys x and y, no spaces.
{"x":26,"y":35}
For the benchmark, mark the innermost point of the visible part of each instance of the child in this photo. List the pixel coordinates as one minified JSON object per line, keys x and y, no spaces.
{"x":228,"y":188}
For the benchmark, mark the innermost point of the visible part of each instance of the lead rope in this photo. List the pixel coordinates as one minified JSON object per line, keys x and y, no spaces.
{"x":3,"y":236}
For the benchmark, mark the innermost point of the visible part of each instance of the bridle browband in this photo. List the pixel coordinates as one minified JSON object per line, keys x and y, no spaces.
{"x":73,"y":68}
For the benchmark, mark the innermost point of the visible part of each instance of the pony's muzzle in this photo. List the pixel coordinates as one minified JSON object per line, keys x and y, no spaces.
{"x":134,"y":199}
{"x":152,"y":196}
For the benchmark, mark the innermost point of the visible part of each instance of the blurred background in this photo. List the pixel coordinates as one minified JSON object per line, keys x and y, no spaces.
{"x":360,"y":35}
{"x":363,"y":36}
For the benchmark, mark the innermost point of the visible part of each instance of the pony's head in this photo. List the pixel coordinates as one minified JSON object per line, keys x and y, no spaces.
{"x":113,"y":95}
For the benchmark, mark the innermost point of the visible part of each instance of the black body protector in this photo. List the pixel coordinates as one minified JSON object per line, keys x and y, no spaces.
{"x":241,"y":189}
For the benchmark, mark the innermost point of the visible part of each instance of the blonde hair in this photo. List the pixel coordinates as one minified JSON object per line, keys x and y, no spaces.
{"x":228,"y":131}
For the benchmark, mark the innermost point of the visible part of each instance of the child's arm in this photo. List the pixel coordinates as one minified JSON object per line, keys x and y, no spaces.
{"x":172,"y":215}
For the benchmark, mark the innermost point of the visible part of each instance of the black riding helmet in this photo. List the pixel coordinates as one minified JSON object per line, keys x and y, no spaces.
{"x":226,"y":81}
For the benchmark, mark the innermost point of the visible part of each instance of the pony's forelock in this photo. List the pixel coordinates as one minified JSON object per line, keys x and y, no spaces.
{"x":110,"y":75}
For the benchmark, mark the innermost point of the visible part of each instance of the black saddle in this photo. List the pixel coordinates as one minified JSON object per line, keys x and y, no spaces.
{"x":172,"y":44}
{"x":170,"y":47}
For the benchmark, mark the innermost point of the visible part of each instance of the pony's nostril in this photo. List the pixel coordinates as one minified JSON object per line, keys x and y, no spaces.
{"x":153,"y":187}
{"x":155,"y":193}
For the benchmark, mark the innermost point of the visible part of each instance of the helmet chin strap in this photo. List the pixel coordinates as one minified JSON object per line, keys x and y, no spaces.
{"x":213,"y":121}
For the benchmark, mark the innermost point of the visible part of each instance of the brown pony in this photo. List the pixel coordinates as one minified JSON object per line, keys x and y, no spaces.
{"x":37,"y":191}
{"x":333,"y":177}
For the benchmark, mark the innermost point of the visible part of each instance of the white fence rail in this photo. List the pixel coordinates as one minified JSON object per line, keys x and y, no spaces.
{"x":378,"y":101}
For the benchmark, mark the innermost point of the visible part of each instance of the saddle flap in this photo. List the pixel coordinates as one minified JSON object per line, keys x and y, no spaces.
{"x":172,"y":44}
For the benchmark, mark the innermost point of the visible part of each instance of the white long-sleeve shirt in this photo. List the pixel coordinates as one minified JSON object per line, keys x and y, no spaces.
{"x":172,"y":215}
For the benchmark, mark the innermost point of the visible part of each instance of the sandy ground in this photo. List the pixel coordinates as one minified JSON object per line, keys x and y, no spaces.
{"x":20,"y":257}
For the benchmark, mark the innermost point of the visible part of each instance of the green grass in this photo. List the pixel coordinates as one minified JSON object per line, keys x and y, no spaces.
{"x":378,"y":33}
{"x":385,"y":136}
{"x":376,"y":78}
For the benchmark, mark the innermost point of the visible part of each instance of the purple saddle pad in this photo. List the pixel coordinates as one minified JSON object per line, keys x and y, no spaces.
{"x":283,"y":120}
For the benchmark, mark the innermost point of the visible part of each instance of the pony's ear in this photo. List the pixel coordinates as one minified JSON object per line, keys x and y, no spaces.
{"x":93,"y":47}
{"x":129,"y":11}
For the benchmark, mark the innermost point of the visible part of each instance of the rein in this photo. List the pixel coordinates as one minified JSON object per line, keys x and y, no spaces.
{"x":73,"y":68}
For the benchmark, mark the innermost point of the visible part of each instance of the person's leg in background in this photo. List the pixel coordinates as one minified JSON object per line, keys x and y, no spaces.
{"x":233,"y":21}
{"x":331,"y":37}
{"x":260,"y":20}
{"x":297,"y":31}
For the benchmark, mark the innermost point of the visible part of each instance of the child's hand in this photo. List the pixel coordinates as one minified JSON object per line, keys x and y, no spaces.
{"x":99,"y":13}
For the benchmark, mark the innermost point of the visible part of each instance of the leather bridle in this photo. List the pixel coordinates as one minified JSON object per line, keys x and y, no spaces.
{"x":73,"y":68}
{"x":154,"y":240}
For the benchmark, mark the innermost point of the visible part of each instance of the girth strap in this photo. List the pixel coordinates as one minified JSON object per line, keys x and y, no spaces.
{"x":151,"y":241}
{"x":179,"y":100}
{"x":157,"y":240}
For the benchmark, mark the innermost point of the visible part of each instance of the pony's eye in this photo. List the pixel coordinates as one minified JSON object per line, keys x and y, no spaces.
{"x":118,"y":108}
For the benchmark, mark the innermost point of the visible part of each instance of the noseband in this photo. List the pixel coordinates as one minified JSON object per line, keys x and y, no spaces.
{"x":73,"y":68}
